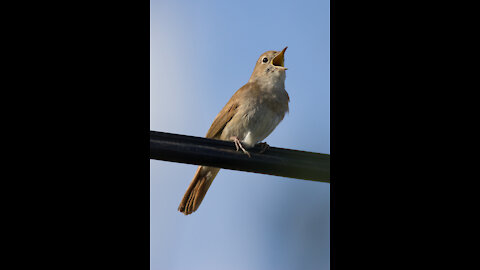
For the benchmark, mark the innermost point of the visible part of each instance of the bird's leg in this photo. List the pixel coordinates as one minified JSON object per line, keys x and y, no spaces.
{"x":238,"y":145}
{"x":264,"y":146}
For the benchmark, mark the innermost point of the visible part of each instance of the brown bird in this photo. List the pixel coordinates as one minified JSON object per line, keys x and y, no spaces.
{"x":250,"y":115}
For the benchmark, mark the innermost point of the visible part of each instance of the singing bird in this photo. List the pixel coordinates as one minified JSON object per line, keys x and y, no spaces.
{"x":250,"y":115}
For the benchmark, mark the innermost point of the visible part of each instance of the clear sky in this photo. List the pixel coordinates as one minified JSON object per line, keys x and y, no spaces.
{"x":201,"y":53}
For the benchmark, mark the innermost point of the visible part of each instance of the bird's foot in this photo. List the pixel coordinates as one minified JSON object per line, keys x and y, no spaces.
{"x":238,"y":145}
{"x":264,"y":146}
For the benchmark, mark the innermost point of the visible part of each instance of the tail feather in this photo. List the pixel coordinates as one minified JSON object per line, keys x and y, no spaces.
{"x":198,"y":188}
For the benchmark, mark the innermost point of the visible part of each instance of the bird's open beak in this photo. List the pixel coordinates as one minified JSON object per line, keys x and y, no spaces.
{"x":279,"y":59}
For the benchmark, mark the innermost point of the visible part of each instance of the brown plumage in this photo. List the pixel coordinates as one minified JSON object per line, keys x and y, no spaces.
{"x":250,"y":115}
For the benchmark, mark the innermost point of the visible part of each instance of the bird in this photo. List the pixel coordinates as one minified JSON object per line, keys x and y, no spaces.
{"x":251,"y":114}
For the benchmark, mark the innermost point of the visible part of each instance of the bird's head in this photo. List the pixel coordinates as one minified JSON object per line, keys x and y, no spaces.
{"x":270,"y":68}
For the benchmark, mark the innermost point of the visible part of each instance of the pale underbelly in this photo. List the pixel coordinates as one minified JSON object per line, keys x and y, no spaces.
{"x":252,"y":127}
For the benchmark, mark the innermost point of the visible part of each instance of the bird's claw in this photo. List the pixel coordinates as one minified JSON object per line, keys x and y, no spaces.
{"x":238,"y":145}
{"x":264,"y":146}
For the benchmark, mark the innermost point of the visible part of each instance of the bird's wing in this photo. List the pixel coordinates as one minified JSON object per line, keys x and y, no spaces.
{"x":229,"y":111}
{"x":223,"y":117}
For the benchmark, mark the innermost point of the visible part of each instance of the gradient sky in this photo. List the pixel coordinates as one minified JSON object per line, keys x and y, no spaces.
{"x":201,"y":53}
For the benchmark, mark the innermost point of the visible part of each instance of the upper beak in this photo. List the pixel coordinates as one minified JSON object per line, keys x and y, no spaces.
{"x":279,"y":59}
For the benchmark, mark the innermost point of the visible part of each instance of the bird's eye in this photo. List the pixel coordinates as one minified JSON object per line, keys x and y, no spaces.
{"x":265,"y":60}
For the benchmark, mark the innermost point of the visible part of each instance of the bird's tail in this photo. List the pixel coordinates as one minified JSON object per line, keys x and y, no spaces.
{"x":198,"y":188}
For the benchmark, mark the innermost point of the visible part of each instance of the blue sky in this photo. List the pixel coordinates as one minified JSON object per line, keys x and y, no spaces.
{"x":201,"y":53}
